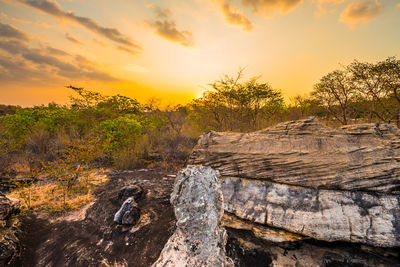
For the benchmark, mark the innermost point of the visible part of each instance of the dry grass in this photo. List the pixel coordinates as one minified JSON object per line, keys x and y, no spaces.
{"x":49,"y":197}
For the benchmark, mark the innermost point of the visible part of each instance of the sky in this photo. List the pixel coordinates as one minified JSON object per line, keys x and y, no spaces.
{"x":172,"y":49}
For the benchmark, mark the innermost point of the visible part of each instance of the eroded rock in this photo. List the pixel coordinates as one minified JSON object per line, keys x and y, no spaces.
{"x":312,"y":180}
{"x":199,"y":240}
{"x":329,"y":215}
{"x":362,"y":157}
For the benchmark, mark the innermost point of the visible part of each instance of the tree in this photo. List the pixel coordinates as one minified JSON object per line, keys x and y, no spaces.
{"x":379,"y":84}
{"x":235,"y":106}
{"x":337,"y":93}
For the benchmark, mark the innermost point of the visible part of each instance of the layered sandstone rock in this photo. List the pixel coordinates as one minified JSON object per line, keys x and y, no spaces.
{"x":311,"y":180}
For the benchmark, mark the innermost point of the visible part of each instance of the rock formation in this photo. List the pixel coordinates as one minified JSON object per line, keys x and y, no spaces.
{"x":9,"y":243}
{"x":199,"y":240}
{"x":302,"y":180}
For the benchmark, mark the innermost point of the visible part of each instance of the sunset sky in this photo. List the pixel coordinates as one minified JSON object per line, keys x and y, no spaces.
{"x":171,"y":49}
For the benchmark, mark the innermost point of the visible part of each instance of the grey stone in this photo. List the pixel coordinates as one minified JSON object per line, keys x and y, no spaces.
{"x":329,"y":215}
{"x":199,"y":240}
{"x":129,"y":212}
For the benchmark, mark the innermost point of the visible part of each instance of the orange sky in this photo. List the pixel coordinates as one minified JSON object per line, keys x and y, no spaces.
{"x":172,"y":49}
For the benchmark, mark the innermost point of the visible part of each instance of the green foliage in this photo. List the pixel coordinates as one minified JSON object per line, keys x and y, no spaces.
{"x":235,"y":106}
{"x":121,"y":131}
{"x":16,"y":127}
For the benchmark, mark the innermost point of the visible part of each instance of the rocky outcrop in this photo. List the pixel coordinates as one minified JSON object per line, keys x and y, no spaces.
{"x":364,"y":157}
{"x":300,"y":183}
{"x":199,"y":240}
{"x":312,"y":180}
{"x":9,"y":227}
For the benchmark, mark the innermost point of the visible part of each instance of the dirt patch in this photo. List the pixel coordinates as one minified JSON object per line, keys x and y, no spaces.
{"x":76,"y":240}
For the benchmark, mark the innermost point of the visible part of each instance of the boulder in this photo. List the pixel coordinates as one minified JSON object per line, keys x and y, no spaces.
{"x":129,"y":212}
{"x":198,"y":240}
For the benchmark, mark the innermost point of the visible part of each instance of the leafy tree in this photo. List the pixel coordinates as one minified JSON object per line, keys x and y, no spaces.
{"x":121,"y":131}
{"x":232,"y":105}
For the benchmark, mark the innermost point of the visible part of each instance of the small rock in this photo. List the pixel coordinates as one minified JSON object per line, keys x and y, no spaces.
{"x":129,"y":212}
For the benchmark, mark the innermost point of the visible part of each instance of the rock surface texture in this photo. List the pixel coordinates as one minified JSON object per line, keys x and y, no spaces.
{"x":199,"y":240}
{"x":306,"y":179}
{"x":9,"y":228}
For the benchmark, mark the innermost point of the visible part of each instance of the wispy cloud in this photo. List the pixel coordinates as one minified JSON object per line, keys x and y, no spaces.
{"x":21,"y":60}
{"x":72,"y":39}
{"x":55,"y":51}
{"x":325,"y":6}
{"x":165,"y":27}
{"x":10,"y":31}
{"x":270,"y":7}
{"x":99,"y":42}
{"x":127,"y":50}
{"x":5,"y":16}
{"x":53,"y":8}
{"x":233,"y":15}
{"x":360,"y":12}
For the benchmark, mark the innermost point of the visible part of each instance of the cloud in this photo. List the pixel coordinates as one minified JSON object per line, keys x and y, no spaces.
{"x":325,"y":6}
{"x":10,"y":31}
{"x":233,"y":15}
{"x":270,"y":7}
{"x":99,"y":42}
{"x":165,"y":27}
{"x":17,"y":70}
{"x":44,"y":25}
{"x":72,"y":39}
{"x":53,"y":8}
{"x":26,"y":63}
{"x":55,"y":51}
{"x":5,"y":16}
{"x":13,"y":46}
{"x":361,"y":11}
{"x":127,"y":50}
